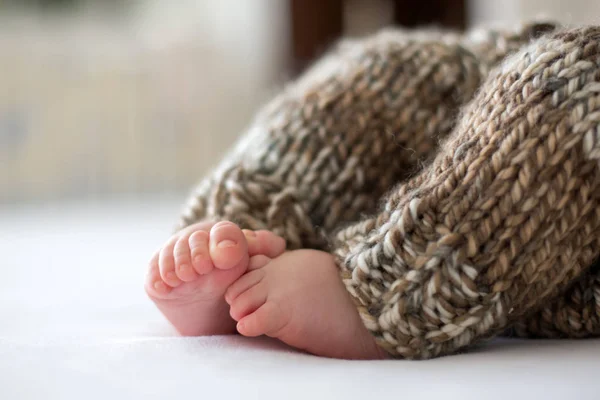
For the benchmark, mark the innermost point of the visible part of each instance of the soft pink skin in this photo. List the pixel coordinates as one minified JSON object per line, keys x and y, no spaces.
{"x":189,"y":275}
{"x":300,"y":299}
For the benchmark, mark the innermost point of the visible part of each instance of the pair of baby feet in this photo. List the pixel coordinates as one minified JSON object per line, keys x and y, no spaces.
{"x":216,"y":279}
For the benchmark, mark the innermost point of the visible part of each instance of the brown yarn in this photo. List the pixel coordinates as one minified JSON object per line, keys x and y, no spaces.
{"x":576,"y":314}
{"x":471,"y":225}
{"x":506,"y":217}
{"x":359,"y":121}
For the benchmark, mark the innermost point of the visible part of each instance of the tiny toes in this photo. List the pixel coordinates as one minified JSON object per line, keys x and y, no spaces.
{"x":160,"y":287}
{"x":154,"y":283}
{"x":186,"y":272}
{"x":267,"y":320}
{"x":243,"y":284}
{"x":228,"y":246}
{"x":183,"y":261}
{"x":248,"y":302}
{"x":166,"y":262}
{"x":257,"y":262}
{"x":264,"y":242}
{"x":199,"y":252}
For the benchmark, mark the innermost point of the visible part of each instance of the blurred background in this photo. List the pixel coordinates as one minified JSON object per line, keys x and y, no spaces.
{"x":134,"y":98}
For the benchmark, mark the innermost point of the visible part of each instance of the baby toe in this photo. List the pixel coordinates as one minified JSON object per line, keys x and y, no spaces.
{"x":199,"y":252}
{"x":243,"y":284}
{"x":166,"y":263}
{"x":154,"y":285}
{"x":266,"y":320}
{"x":264,"y":242}
{"x":257,"y":262}
{"x":248,"y":302}
{"x":183,"y":260}
{"x":228,"y":246}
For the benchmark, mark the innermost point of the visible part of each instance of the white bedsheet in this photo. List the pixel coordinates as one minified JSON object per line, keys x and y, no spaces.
{"x":75,"y":324}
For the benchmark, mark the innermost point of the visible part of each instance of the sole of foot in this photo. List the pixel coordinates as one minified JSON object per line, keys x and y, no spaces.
{"x":189,"y":275}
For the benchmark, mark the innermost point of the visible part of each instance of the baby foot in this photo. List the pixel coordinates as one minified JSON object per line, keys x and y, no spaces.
{"x":300,"y":299}
{"x":189,"y":275}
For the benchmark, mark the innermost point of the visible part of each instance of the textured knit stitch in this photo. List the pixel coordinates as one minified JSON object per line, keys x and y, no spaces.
{"x":505,"y":218}
{"x":327,"y":149}
{"x":576,"y":314}
{"x":333,"y":143}
{"x":357,"y":123}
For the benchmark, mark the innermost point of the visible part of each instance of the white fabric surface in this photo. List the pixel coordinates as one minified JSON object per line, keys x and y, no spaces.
{"x":75,"y":324}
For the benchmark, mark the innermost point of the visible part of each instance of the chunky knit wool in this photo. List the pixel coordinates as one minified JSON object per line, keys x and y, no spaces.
{"x":358,"y":122}
{"x":576,"y":314}
{"x":503,"y":220}
{"x":499,"y":224}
